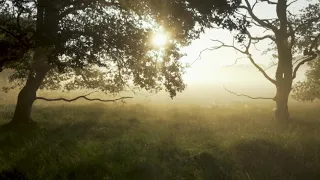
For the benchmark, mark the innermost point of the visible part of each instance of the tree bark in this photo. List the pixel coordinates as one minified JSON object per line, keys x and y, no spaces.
{"x":46,"y":27}
{"x":282,"y":110}
{"x":27,"y":95}
{"x":283,"y":80}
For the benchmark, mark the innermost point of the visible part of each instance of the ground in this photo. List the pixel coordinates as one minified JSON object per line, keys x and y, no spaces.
{"x":185,"y":142}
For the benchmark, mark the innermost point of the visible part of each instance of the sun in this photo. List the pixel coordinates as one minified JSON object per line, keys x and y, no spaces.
{"x":159,"y":39}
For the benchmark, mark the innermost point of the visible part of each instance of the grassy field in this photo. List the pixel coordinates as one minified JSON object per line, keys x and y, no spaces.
{"x":149,"y":142}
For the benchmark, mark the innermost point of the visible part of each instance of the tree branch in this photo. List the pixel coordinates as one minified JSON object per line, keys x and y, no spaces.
{"x":235,"y":62}
{"x":244,"y":95}
{"x":246,"y":52}
{"x":261,"y":70}
{"x":272,"y":65}
{"x":228,"y":46}
{"x":84,"y":97}
{"x":254,"y":17}
{"x":269,"y":2}
{"x":200,"y":54}
{"x":292,"y":3}
{"x":307,"y":23}
{"x":310,"y":58}
{"x":264,"y":37}
{"x":77,"y":7}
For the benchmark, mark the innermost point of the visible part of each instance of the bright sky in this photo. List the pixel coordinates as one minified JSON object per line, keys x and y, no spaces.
{"x":212,"y":66}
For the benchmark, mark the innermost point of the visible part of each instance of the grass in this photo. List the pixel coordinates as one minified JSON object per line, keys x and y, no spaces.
{"x":97,"y":141}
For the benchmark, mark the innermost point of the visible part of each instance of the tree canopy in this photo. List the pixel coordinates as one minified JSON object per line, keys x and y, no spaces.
{"x":289,"y":35}
{"x":103,"y":44}
{"x":309,"y":90}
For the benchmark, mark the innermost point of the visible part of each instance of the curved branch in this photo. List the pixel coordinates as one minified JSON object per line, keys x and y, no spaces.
{"x":269,"y":2}
{"x":272,"y":65}
{"x":228,"y":46}
{"x":235,"y":62}
{"x":200,"y":54}
{"x":246,"y":52}
{"x":264,"y":37}
{"x":84,"y":97}
{"x":292,"y":3}
{"x":261,"y":70}
{"x":310,"y":58}
{"x":244,"y":95}
{"x":307,"y":23}
{"x":260,"y":38}
{"x":258,"y":20}
{"x":313,"y":56}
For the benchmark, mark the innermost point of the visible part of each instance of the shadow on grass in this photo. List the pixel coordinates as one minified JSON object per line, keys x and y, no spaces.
{"x":168,"y":161}
{"x":57,"y":155}
{"x":26,"y":151}
{"x":260,"y":159}
{"x":81,"y":146}
{"x":12,"y":174}
{"x":310,"y":123}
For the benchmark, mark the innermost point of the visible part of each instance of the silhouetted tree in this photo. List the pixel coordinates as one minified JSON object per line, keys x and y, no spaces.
{"x":100,"y":44}
{"x":309,"y":90}
{"x":289,"y":35}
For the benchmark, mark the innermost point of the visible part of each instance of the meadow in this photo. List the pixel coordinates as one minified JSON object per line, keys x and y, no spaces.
{"x":161,"y":142}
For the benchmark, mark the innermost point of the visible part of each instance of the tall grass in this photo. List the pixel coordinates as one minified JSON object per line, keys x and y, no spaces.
{"x":134,"y":141}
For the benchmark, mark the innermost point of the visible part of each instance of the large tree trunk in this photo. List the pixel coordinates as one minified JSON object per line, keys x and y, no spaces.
{"x":283,"y":80}
{"x":27,"y":96}
{"x":46,"y":28}
{"x":282,"y":110}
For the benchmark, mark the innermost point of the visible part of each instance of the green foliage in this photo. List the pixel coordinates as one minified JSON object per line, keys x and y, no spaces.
{"x":307,"y":26}
{"x":104,"y":44}
{"x":161,"y":142}
{"x":309,"y":90}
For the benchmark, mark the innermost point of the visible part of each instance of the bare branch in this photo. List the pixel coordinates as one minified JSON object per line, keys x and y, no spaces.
{"x":263,"y":37}
{"x":254,"y":5}
{"x":260,"y":38}
{"x":255,"y":46}
{"x":310,"y":58}
{"x":228,"y":46}
{"x":200,"y":54}
{"x":258,"y":20}
{"x":261,"y":70}
{"x":235,"y":62}
{"x":272,"y":65}
{"x":84,"y":97}
{"x":244,"y":95}
{"x":292,"y":3}
{"x":269,"y":2}
{"x":246,"y":52}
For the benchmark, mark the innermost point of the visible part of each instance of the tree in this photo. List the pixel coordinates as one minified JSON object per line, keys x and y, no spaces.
{"x":308,"y":90}
{"x":99,"y":44}
{"x":287,"y":34}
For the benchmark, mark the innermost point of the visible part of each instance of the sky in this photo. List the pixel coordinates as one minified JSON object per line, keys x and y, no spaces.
{"x":207,"y":76}
{"x":214,"y":66}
